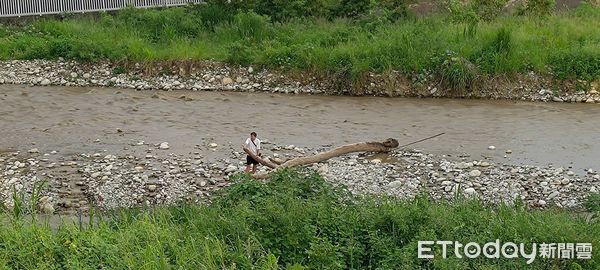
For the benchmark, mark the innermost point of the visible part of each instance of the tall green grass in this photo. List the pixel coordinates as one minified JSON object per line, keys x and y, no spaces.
{"x":566,"y":45}
{"x":296,"y":221}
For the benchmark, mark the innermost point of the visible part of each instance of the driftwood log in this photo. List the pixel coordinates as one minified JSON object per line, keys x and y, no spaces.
{"x":376,"y":147}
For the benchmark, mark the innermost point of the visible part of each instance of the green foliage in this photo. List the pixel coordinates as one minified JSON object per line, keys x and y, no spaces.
{"x":461,"y":12}
{"x":214,"y":14}
{"x":352,"y":8}
{"x":580,"y":64}
{"x":538,"y":8}
{"x":474,"y":11}
{"x":162,"y":25}
{"x":379,"y":36}
{"x":488,"y":10}
{"x":240,"y":53}
{"x":592,"y":203}
{"x":457,"y":72}
{"x":294,"y":221}
{"x":252,"y":26}
{"x":493,"y":56}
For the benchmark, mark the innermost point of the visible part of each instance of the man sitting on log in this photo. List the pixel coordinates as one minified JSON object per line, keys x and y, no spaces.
{"x":252,"y":144}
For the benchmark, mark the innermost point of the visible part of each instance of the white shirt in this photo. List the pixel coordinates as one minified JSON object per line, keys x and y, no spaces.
{"x":253,"y":148}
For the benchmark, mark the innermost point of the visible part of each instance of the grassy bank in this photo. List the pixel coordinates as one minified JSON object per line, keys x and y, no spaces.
{"x":296,"y":221}
{"x":346,"y":40}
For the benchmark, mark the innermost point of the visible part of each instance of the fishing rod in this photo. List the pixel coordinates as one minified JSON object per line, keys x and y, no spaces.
{"x":421,"y":140}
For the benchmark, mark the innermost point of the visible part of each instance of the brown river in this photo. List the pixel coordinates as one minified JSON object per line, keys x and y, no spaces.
{"x":90,"y":120}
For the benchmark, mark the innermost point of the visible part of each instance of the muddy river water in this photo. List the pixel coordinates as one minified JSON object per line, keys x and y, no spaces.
{"x":90,"y":120}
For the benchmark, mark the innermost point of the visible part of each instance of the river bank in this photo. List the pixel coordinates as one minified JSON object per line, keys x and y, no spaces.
{"x":214,"y":76}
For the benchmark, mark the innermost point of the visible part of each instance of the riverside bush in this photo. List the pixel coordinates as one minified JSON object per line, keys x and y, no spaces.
{"x":493,"y":56}
{"x":457,"y":72}
{"x":295,"y":221}
{"x":538,"y":8}
{"x":580,"y":64}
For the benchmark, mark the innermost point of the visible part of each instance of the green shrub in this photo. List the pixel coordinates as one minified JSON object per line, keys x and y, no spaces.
{"x":213,"y":14}
{"x":493,"y":56}
{"x":461,"y":12}
{"x":161,"y":25}
{"x":252,"y":26}
{"x":396,"y":8}
{"x":456,"y":72}
{"x":488,"y":10}
{"x":592,"y":203}
{"x":537,"y":8}
{"x":240,"y":53}
{"x":576,"y":63}
{"x":284,"y":10}
{"x":352,"y":8}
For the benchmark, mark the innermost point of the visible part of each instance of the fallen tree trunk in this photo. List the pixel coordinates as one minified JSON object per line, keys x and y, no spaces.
{"x":376,"y":147}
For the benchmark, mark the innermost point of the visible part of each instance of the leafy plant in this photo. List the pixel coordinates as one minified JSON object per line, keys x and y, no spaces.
{"x":457,"y":72}
{"x":592,"y":203}
{"x":537,"y":8}
{"x":581,"y":64}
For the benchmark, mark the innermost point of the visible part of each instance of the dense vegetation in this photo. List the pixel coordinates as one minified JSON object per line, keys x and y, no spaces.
{"x":296,"y":221}
{"x":345,"y":37}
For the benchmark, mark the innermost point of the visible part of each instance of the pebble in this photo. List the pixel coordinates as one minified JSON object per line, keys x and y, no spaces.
{"x":541,"y":202}
{"x":231,"y":169}
{"x":164,"y":146}
{"x":491,"y":147}
{"x":553,"y":195}
{"x":227,"y":81}
{"x":47,"y":208}
{"x":395,"y":184}
{"x":464,"y":165}
{"x":469,"y":191}
{"x":475,"y":173}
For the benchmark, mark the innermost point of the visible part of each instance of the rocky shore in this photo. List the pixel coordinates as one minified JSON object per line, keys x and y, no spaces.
{"x":106,"y":181}
{"x":211,"y":76}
